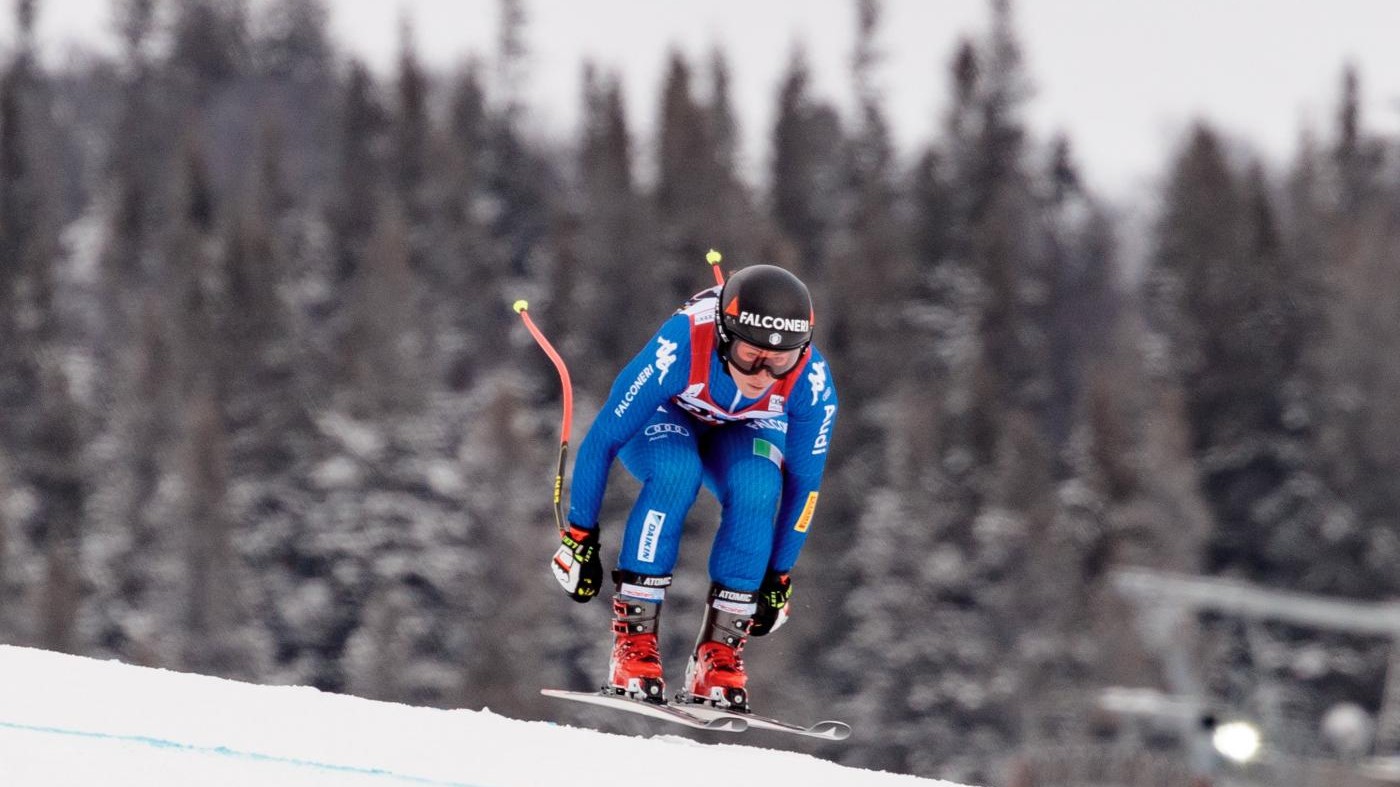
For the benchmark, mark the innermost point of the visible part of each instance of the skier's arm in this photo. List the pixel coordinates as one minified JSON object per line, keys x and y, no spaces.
{"x":657,"y":373}
{"x":811,"y":419}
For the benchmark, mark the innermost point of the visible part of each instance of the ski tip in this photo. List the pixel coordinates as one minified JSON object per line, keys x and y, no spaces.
{"x":834,"y":730}
{"x":520,"y":306}
{"x":727,"y":724}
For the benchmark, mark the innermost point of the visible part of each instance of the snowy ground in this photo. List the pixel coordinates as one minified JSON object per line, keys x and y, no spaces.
{"x":74,"y":722}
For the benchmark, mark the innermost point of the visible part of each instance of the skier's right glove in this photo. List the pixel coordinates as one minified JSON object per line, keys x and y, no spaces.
{"x":773,"y":608}
{"x":577,"y":564}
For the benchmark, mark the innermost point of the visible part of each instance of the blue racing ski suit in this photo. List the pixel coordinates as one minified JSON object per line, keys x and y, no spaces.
{"x":677,"y":420}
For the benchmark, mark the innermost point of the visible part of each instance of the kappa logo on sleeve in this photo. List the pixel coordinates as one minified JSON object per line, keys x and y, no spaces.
{"x":665,"y":356}
{"x":818,"y":380}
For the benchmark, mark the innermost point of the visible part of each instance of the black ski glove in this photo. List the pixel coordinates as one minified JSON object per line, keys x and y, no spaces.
{"x":577,"y":564}
{"x":773,"y":609}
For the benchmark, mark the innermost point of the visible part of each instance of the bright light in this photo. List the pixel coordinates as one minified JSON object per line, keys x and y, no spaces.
{"x":1237,"y":741}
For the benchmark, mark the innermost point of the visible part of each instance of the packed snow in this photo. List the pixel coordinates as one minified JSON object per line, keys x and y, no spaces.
{"x":66,"y":720}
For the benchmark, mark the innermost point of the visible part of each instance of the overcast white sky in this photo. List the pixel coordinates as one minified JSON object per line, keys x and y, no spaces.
{"x":1122,"y":77}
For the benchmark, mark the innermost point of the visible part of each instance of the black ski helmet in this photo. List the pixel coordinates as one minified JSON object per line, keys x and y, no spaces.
{"x":765,"y":306}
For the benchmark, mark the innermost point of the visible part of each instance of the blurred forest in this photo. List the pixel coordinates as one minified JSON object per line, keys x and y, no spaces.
{"x":266,"y":413}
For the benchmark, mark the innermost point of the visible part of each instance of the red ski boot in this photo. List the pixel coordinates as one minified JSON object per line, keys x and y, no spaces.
{"x":715,"y":675}
{"x":635,"y":668}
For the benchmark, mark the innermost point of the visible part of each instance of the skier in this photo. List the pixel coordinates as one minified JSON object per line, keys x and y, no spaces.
{"x":730,"y":393}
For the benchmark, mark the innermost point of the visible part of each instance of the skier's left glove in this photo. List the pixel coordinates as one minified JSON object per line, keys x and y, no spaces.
{"x":773,"y":607}
{"x":577,"y":564}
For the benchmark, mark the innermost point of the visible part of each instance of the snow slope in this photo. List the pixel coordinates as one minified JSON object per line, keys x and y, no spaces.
{"x":75,"y":722}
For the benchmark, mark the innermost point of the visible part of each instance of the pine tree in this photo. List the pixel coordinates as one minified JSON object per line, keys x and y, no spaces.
{"x":519,"y":179}
{"x":1002,"y":247}
{"x":359,"y":170}
{"x":58,"y":480}
{"x":467,"y":133}
{"x":1342,"y":236}
{"x":260,"y":375}
{"x":1356,"y":158}
{"x":135,"y":167}
{"x":205,"y":623}
{"x":683,"y":181}
{"x":135,"y":357}
{"x":1220,"y":288}
{"x":805,"y":175}
{"x":294,"y":43}
{"x":873,"y":273}
{"x":699,"y":200}
{"x":412,"y":155}
{"x":466,"y":261}
{"x":497,"y":660}
{"x":22,"y":242}
{"x":382,"y":349}
{"x":1084,"y":300}
{"x":610,"y":322}
{"x":733,"y":217}
{"x":294,"y":87}
{"x":210,"y":44}
{"x":511,"y":57}
{"x":40,"y":433}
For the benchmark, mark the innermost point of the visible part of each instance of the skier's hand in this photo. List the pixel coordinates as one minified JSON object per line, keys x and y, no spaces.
{"x":773,"y":607}
{"x":577,"y":564}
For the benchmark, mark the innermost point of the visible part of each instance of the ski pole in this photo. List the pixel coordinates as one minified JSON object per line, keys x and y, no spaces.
{"x":565,"y":425}
{"x":713,"y":257}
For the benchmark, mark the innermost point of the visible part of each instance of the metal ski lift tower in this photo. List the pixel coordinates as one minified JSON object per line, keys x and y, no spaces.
{"x":1166,"y":602}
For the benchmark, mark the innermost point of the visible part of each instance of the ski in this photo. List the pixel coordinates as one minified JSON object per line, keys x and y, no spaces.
{"x":826,"y":730}
{"x":666,"y":712}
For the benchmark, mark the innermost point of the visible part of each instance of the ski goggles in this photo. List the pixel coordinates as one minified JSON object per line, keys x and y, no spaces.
{"x":749,"y":359}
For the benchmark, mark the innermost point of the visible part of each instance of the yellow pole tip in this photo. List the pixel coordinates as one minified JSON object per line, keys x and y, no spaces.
{"x":521,"y":306}
{"x":713,"y":257}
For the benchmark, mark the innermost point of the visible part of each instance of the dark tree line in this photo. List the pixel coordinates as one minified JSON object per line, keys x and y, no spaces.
{"x":267,"y":413}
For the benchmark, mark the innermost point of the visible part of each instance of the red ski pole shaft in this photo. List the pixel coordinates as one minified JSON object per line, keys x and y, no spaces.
{"x":566,"y":424}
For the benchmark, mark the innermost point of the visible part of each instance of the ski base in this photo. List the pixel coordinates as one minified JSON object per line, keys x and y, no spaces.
{"x":666,"y":712}
{"x":826,"y":730}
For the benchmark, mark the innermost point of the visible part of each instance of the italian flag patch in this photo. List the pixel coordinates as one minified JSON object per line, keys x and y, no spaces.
{"x":765,"y":448}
